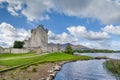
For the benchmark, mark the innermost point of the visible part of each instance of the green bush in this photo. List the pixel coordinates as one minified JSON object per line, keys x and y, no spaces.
{"x":18,"y":44}
{"x":68,"y":49}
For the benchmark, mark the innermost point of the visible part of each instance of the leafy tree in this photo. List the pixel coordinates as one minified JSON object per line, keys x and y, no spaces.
{"x":18,"y":44}
{"x":68,"y":49}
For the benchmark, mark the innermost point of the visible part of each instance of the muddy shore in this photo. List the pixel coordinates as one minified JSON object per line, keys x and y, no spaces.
{"x":43,"y":71}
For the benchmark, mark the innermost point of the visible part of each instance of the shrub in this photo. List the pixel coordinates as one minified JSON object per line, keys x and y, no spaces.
{"x":18,"y":44}
{"x":68,"y":49}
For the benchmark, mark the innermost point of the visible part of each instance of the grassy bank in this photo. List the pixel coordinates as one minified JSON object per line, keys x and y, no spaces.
{"x":10,"y":55}
{"x":17,"y":60}
{"x":113,"y":66}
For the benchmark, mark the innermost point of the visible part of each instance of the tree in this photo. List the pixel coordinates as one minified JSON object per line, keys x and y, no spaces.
{"x":68,"y":49}
{"x":18,"y":44}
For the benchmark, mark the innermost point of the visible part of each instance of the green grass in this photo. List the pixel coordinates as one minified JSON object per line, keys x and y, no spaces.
{"x":10,"y":55}
{"x":113,"y":66}
{"x":40,"y":59}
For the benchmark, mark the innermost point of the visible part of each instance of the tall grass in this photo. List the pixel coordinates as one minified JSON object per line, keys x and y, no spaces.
{"x":113,"y":66}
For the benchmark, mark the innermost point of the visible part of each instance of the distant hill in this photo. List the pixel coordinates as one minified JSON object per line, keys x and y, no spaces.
{"x":79,"y":47}
{"x":74,"y":47}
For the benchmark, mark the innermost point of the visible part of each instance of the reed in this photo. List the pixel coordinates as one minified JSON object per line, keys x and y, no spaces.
{"x":113,"y":66}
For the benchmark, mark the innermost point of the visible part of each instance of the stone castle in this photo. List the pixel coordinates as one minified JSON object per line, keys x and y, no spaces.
{"x":38,"y":42}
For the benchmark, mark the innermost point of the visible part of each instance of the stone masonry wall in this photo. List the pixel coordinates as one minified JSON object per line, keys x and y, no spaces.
{"x":13,"y":50}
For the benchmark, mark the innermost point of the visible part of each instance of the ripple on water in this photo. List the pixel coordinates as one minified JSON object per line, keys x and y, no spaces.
{"x":84,"y":70}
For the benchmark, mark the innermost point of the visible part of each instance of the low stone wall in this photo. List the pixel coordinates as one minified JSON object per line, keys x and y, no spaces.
{"x":16,"y":51}
{"x":1,"y":50}
{"x":53,"y":48}
{"x":13,"y":50}
{"x":5,"y":50}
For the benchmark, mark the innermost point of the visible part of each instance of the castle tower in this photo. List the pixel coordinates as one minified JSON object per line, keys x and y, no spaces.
{"x":39,"y":39}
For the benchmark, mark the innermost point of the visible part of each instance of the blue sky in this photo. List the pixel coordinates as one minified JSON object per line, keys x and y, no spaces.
{"x":92,"y":23}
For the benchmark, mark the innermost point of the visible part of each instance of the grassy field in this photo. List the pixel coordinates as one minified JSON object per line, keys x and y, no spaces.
{"x":10,"y":55}
{"x":113,"y":66}
{"x":12,"y":60}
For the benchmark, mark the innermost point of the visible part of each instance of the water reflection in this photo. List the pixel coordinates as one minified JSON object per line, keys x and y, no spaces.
{"x":84,"y":70}
{"x":110,"y":55}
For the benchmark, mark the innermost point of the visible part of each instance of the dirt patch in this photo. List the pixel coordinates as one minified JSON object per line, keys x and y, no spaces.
{"x":34,"y":72}
{"x":3,"y":67}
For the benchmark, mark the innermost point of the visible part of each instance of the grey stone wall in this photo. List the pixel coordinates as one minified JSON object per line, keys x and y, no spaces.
{"x":1,"y":50}
{"x":16,"y":51}
{"x":54,"y":48}
{"x":13,"y":50}
{"x":5,"y":50}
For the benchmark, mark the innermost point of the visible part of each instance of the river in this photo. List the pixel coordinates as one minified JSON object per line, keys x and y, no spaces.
{"x":87,"y":70}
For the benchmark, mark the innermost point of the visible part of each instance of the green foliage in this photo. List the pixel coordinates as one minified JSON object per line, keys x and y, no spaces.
{"x":18,"y":44}
{"x":95,"y":51}
{"x":10,"y":55}
{"x":113,"y":66}
{"x":68,"y":49}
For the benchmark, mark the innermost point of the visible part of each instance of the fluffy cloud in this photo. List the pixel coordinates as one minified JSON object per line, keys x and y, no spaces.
{"x":97,"y":44}
{"x":31,"y":10}
{"x":78,"y":35}
{"x":13,"y":6}
{"x":35,"y":10}
{"x":81,"y":32}
{"x":98,"y":9}
{"x":61,"y":38}
{"x":8,"y":34}
{"x":115,"y":45}
{"x":112,"y":29}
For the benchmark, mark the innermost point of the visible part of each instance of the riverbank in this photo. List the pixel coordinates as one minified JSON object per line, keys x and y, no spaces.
{"x":113,"y":65}
{"x":34,"y":68}
{"x":34,"y":72}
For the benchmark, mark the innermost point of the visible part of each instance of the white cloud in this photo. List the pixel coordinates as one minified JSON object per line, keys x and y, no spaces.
{"x":112,"y":29}
{"x":98,"y":40}
{"x":97,"y":44}
{"x":32,"y":10}
{"x":115,"y":45}
{"x":98,"y":9}
{"x":13,"y":6}
{"x":8,"y":34}
{"x":81,"y":32}
{"x":80,"y":35}
{"x":61,"y":38}
{"x":35,"y":10}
